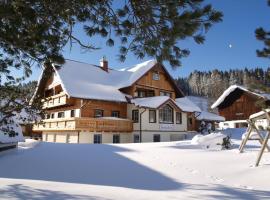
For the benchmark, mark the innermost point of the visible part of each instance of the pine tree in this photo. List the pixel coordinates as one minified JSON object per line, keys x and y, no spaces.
{"x":264,"y":36}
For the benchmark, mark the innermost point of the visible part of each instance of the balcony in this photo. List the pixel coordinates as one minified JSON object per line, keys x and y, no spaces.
{"x":86,"y":124}
{"x":54,"y":101}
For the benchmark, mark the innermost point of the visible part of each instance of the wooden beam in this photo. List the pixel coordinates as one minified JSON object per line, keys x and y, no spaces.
{"x":244,"y":141}
{"x":263,"y":148}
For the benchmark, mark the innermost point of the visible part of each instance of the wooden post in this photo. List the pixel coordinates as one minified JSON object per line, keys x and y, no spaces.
{"x":262,"y":149}
{"x":244,"y":141}
{"x":260,"y":137}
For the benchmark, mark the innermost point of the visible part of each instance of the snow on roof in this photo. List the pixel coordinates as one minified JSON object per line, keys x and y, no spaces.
{"x":208,"y":116}
{"x":201,"y":102}
{"x":84,"y":80}
{"x":233,"y":88}
{"x":150,"y":102}
{"x":137,"y":71}
{"x":186,"y":105}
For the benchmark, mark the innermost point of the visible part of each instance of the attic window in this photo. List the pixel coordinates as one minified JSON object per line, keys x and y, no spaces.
{"x":155,"y":76}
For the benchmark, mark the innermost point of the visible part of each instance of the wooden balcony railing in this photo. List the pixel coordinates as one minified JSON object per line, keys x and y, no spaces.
{"x":87,"y":124}
{"x":56,"y":100}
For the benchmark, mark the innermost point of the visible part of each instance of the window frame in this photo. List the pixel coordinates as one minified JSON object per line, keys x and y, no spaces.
{"x":97,"y":141}
{"x":165,"y":93}
{"x":136,"y":138}
{"x":160,"y":114}
{"x":59,"y":114}
{"x":155,"y":76}
{"x":181,"y":118}
{"x":159,"y":137}
{"x":102,"y":113}
{"x":116,"y":111}
{"x":155,"y":119}
{"x":133,"y":116}
{"x":72,"y":113}
{"x":119,"y":139}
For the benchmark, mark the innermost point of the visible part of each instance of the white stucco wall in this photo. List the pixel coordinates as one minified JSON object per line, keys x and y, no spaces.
{"x":156,"y":126}
{"x":164,"y":136}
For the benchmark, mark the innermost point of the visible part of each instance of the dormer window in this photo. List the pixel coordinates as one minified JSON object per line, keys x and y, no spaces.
{"x":155,"y":76}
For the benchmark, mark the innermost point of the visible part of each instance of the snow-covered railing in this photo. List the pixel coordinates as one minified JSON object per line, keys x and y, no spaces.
{"x":88,"y":124}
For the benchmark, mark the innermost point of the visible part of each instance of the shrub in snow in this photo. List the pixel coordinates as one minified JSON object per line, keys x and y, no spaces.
{"x":213,"y":140}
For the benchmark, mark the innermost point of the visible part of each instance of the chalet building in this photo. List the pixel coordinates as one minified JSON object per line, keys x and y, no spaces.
{"x":86,"y":103}
{"x":237,"y":103}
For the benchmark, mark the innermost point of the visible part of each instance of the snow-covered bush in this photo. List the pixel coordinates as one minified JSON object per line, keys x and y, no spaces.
{"x":213,"y":140}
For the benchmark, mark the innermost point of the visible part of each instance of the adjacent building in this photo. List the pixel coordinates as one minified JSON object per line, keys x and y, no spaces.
{"x":237,"y":103}
{"x":87,"y":103}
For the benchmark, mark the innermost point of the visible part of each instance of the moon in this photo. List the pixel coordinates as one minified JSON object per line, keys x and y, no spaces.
{"x":230,"y":46}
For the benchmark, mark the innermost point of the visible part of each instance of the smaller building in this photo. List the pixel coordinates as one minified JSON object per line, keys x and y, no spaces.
{"x":237,"y":103}
{"x":196,"y":108}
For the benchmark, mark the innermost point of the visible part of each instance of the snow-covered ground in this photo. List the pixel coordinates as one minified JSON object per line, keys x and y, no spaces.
{"x":172,"y":170}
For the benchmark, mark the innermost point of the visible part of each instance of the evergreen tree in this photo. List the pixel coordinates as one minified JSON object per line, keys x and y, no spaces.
{"x":264,"y":36}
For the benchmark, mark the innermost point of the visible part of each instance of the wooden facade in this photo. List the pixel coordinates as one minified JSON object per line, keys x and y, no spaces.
{"x":147,"y":83}
{"x":239,"y":105}
{"x":56,"y":101}
{"x":85,"y":124}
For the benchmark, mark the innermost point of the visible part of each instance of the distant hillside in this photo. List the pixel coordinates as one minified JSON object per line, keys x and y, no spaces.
{"x":211,"y":84}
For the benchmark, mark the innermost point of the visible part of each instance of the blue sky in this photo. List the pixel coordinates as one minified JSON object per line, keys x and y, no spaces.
{"x":241,"y":18}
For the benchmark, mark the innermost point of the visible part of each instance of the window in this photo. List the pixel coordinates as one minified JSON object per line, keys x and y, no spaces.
{"x":152,"y":116}
{"x":144,"y":93}
{"x":47,"y":116}
{"x":97,"y":138}
{"x":166,"y":115}
{"x":178,"y":118}
{"x":155,"y":76}
{"x":141,"y":93}
{"x":150,"y":93}
{"x":163,"y":93}
{"x":190,"y":121}
{"x":115,"y":114}
{"x":135,"y":116}
{"x":136,"y":138}
{"x":116,"y":138}
{"x":52,"y":115}
{"x":98,"y":113}
{"x":72,"y":113}
{"x":61,"y":115}
{"x":156,"y":137}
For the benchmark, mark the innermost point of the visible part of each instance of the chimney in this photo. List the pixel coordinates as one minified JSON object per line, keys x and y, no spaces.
{"x":104,"y":64}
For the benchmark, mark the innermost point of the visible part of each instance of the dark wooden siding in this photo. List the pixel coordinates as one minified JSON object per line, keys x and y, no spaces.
{"x":239,"y":105}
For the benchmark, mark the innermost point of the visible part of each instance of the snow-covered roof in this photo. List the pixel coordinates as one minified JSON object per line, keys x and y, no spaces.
{"x":233,"y":88}
{"x":186,"y":105}
{"x":201,"y":102}
{"x":88,"y":81}
{"x":208,"y":116}
{"x":150,"y":102}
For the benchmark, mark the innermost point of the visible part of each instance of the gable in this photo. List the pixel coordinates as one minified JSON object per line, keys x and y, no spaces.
{"x":239,"y":96}
{"x":165,"y":82}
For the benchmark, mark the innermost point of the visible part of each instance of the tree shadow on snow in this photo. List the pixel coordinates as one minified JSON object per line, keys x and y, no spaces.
{"x":227,"y":193}
{"x":84,"y":164}
{"x":18,"y":191}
